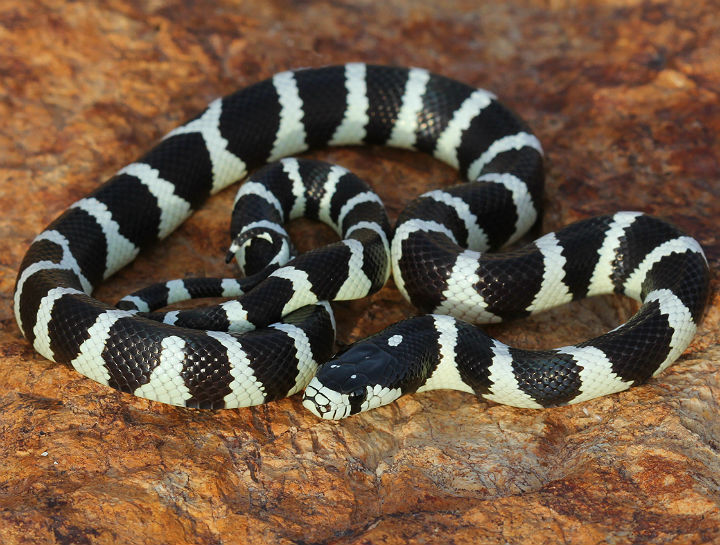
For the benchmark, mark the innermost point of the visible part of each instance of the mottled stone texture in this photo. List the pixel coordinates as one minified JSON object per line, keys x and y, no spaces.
{"x":623,"y":95}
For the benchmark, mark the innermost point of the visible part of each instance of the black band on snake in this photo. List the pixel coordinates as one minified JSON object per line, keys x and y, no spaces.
{"x":268,"y":339}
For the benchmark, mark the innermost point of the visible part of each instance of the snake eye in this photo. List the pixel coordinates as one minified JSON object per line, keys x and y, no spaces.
{"x":357,"y":395}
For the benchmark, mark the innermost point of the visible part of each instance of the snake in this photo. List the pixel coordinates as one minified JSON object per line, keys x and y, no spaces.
{"x":274,"y":336}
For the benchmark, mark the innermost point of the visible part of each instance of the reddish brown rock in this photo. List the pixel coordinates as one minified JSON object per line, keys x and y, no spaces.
{"x":623,"y":95}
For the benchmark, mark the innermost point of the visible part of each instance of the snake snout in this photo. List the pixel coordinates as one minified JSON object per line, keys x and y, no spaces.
{"x":325,"y":402}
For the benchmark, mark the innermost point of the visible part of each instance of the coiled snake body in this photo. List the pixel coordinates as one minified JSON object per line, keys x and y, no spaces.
{"x":267,"y":341}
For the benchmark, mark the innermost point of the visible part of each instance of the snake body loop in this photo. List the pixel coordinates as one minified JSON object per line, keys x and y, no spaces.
{"x":267,"y":341}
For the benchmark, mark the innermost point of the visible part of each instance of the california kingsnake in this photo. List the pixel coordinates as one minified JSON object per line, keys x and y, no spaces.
{"x":353,"y":104}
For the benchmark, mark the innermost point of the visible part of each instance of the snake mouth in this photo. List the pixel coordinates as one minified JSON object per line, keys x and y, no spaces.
{"x":324,"y":402}
{"x":329,"y":404}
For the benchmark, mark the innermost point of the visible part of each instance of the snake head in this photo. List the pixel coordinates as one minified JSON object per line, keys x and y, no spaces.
{"x":358,"y":379}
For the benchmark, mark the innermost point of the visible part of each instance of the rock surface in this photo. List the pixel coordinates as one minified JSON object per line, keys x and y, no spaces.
{"x":624,"y":97}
